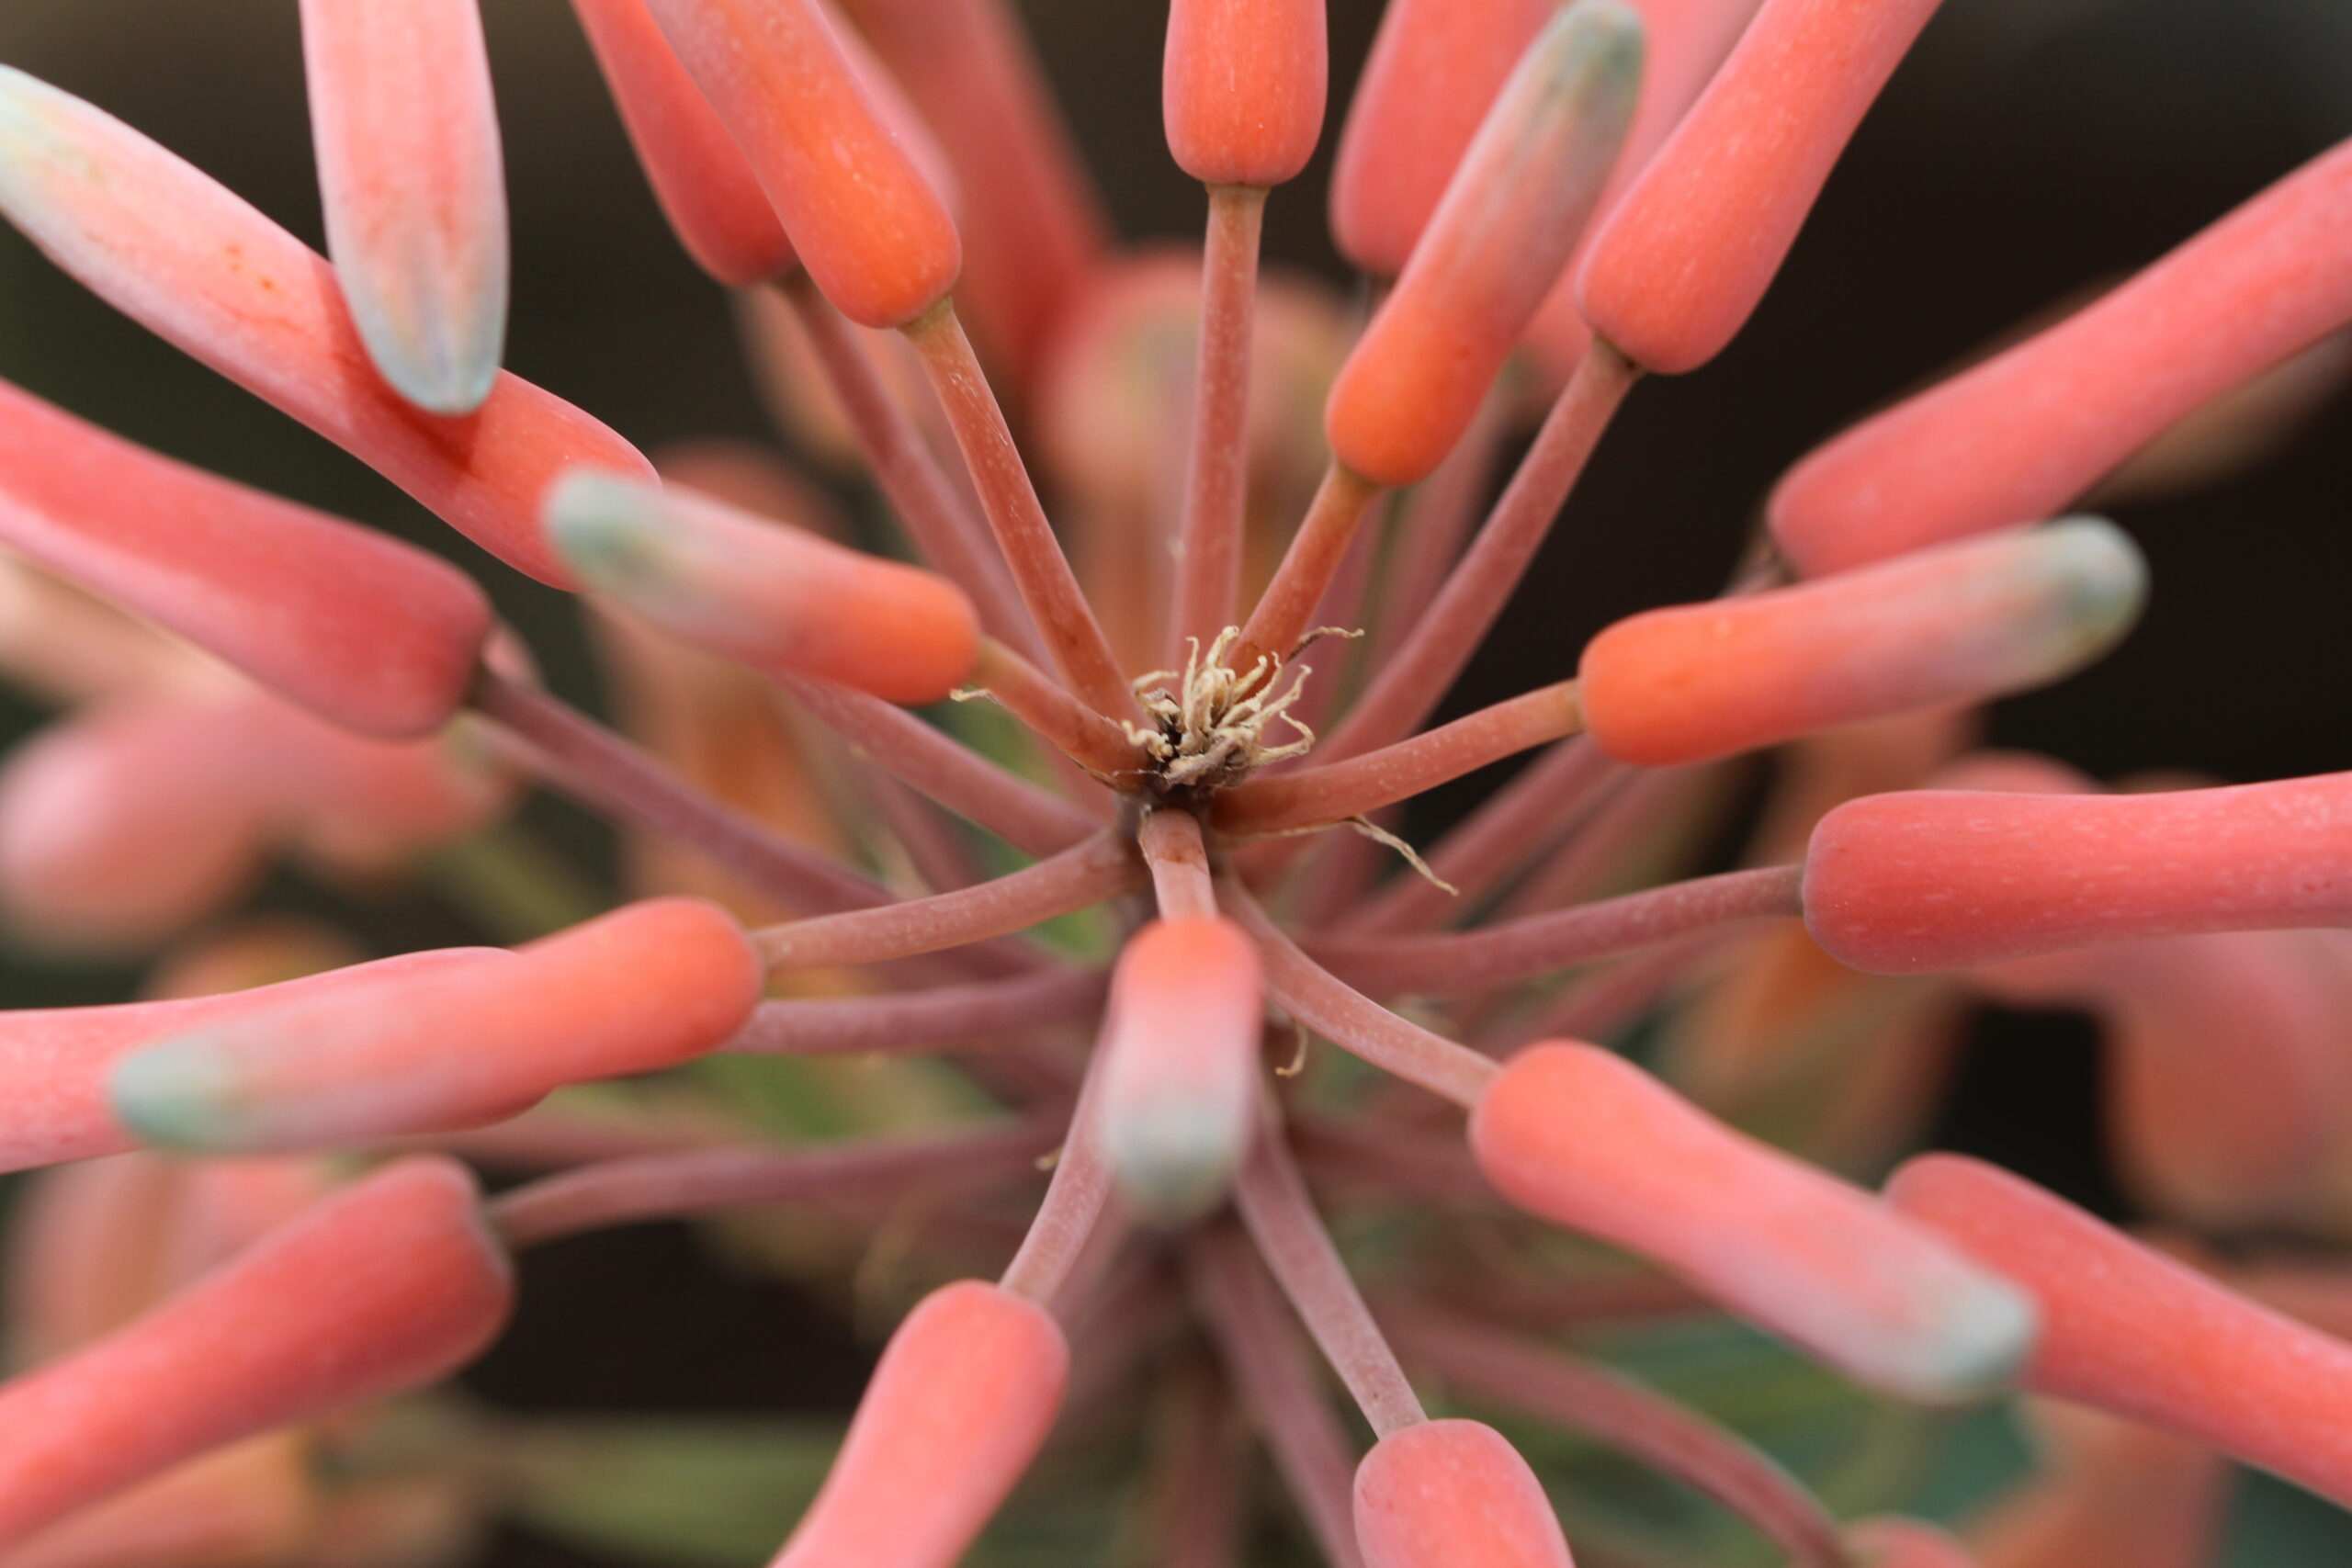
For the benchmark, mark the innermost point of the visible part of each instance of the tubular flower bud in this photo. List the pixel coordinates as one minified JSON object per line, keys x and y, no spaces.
{"x":1435,"y":67}
{"x":701,"y":178}
{"x":867,"y":222}
{"x":1589,"y":1141}
{"x":1180,"y":1086}
{"x":652,"y":984}
{"x":764,"y":592}
{"x":1498,"y":238}
{"x":361,"y":630}
{"x":2127,"y":1329}
{"x":54,"y":1061}
{"x":1973,"y":621}
{"x":1949,"y":879}
{"x":1242,"y":88}
{"x":2028,"y":431}
{"x":415,"y":189}
{"x":959,"y":1406}
{"x":1905,"y":1543}
{"x":385,"y":1286}
{"x":1456,"y":1492}
{"x":194,"y":263}
{"x":253,"y":1503}
{"x":1681,"y":262}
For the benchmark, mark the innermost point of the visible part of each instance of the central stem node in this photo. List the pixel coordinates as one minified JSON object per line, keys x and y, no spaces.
{"x":1210,"y":722}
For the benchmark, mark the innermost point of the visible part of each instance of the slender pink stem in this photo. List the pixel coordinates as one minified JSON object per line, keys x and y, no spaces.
{"x":599,"y":769}
{"x":1581,"y":1396}
{"x":1444,"y":508}
{"x":938,"y":854}
{"x":1179,"y":858}
{"x":958,"y":777}
{"x":672,"y":1186}
{"x":1269,"y":1368}
{"x":1633,"y":822}
{"x":1358,"y":1151}
{"x":1078,"y":731}
{"x":1549,"y":797}
{"x":1196,"y":1514}
{"x":937,"y":516}
{"x":986,"y":1014}
{"x":1082,"y":876}
{"x":1411,"y":682}
{"x":1286,"y":610}
{"x":1057,"y":1237}
{"x":556,"y":1136}
{"x":1355,"y":1022}
{"x":1218,"y":481}
{"x":1458,"y":962}
{"x":1316,"y":795}
{"x":1039,"y":569}
{"x":1291,"y":1238}
{"x":1596,"y":1006}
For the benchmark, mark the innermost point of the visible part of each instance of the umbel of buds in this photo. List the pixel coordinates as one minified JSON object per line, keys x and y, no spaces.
{"x":1195,"y":1110}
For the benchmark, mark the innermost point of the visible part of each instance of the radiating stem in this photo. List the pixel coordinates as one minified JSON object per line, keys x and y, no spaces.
{"x":1596,"y":1006}
{"x":1580,"y":1396}
{"x":1082,"y":876}
{"x":935,"y":850}
{"x":1079,"y":732}
{"x":1458,"y":962}
{"x":1179,"y":858}
{"x":1324,"y":1004}
{"x":1270,"y":1369}
{"x":1286,"y":610}
{"x":673,"y":1186}
{"x":603,"y":772}
{"x":1416,"y":677}
{"x":1217,"y":479}
{"x":1282,"y":1220}
{"x":1039,"y":569}
{"x":1333,"y":793}
{"x":938,"y":518}
{"x":1549,"y":796}
{"x":1437,"y":518}
{"x":959,"y":778}
{"x":974,"y":1017}
{"x":1195,"y":1508}
{"x":1059,"y":1236}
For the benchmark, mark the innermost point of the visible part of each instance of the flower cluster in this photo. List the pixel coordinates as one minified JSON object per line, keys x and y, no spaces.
{"x":1131,"y":905}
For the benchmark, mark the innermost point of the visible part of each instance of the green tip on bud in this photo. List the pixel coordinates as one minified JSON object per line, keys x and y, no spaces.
{"x":180,"y":1093}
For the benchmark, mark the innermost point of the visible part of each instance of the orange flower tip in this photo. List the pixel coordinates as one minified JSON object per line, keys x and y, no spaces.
{"x":1686,"y":255}
{"x":1242,"y":88}
{"x":647,"y":986}
{"x":1892,"y":1542}
{"x":1963,"y":623}
{"x":1454,"y":1493}
{"x":1933,"y":880}
{"x":961,"y":1402}
{"x":864,"y":216}
{"x":1583,"y":1138}
{"x":1179,"y":1093}
{"x":413,"y":190}
{"x":763,"y":592}
{"x":1505,"y":228}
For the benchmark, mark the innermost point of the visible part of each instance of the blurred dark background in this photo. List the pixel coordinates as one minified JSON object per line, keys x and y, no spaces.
{"x":2031,"y":148}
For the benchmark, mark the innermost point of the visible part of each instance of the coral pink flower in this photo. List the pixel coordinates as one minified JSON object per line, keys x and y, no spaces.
{"x":1180,"y":1085}
{"x":766,"y":593}
{"x":868,"y":223}
{"x":1697,"y":682}
{"x":960,"y":1404}
{"x":1681,"y":262}
{"x":191,"y":262}
{"x":415,"y":189}
{"x":2020,"y":436}
{"x":359,"y":629}
{"x":704,"y":183}
{"x":1242,"y":88}
{"x":1453,"y":1492}
{"x":647,"y":986}
{"x":1497,"y":240}
{"x":1945,"y":879}
{"x":390,"y":1284}
{"x":2129,"y":1330}
{"x":1905,"y":1543}
{"x":1589,"y":1141}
